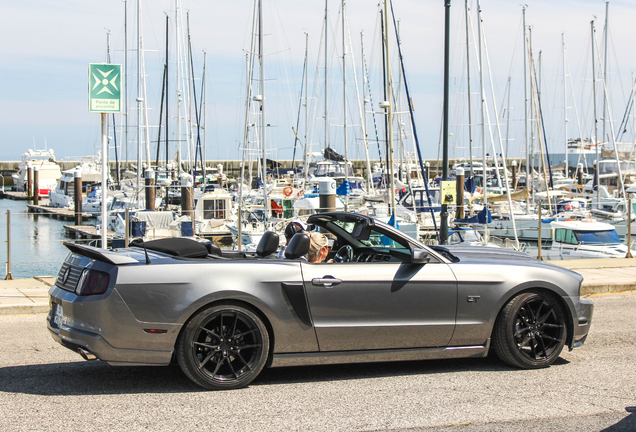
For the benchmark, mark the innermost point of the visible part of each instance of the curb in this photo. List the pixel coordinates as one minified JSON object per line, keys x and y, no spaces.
{"x":606,"y":289}
{"x":35,"y":308}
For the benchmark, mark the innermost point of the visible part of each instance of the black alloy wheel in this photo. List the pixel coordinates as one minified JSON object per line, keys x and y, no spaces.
{"x":223,"y":347}
{"x":531,"y":331}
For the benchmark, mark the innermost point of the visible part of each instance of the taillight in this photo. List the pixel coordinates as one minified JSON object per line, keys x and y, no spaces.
{"x":92,"y":282}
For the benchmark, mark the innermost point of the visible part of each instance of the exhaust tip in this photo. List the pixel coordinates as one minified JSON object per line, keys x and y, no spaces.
{"x":86,"y":354}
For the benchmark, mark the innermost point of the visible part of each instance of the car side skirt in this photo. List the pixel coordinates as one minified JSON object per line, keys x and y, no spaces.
{"x":367,"y":356}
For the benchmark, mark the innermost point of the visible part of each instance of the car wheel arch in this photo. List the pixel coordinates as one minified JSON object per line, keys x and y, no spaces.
{"x":234,"y":302}
{"x":543,"y":288}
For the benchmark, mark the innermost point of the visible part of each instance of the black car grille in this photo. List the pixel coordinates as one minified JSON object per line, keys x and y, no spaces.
{"x":68,"y":276}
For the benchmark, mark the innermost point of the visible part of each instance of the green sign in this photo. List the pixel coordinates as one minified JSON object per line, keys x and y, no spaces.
{"x":104,"y":88}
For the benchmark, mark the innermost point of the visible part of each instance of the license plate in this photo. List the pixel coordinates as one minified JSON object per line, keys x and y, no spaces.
{"x":59,"y":316}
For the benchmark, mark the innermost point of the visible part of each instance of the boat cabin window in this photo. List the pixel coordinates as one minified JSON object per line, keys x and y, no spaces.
{"x":597,"y":237}
{"x":214,"y":209}
{"x":563,"y":235}
{"x":464,"y":236}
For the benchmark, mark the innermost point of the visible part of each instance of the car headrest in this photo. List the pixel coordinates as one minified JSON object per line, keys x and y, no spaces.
{"x":268,"y":245}
{"x":213,"y":249}
{"x":298,"y":246}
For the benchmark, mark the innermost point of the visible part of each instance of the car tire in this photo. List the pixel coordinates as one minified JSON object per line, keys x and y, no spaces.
{"x":530,"y":331}
{"x":223,"y":347}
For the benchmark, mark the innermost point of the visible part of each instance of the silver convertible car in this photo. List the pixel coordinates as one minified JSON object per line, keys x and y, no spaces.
{"x":225,"y":315}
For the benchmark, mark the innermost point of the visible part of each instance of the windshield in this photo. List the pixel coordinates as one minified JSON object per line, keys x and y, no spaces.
{"x":379,"y":236}
{"x":597,"y":237}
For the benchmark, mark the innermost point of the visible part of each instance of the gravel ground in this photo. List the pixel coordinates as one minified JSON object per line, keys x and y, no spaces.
{"x":45,"y":387}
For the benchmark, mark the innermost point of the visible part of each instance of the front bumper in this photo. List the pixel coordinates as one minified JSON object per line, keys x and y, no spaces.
{"x":584,"y":313}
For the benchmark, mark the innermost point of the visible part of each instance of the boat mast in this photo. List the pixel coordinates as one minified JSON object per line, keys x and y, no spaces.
{"x":363,"y":115}
{"x":190,"y":91}
{"x":305,"y":158}
{"x":508,"y":119}
{"x":239,"y":204}
{"x":565,"y":109}
{"x":107,"y":120}
{"x":126,"y":77}
{"x":605,"y":68}
{"x":501,"y":146}
{"x":470,"y":122}
{"x":389,"y":113}
{"x":533,"y":120}
{"x":203,"y":115}
{"x":139,"y":97}
{"x":266,"y":205}
{"x":525,"y":107}
{"x":596,"y":141}
{"x":326,"y":36}
{"x":344,"y":103}
{"x":178,"y":54}
{"x":484,"y":189}
{"x":167,"y":95}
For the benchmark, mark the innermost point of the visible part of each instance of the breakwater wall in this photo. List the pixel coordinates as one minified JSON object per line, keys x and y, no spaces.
{"x":232,"y":168}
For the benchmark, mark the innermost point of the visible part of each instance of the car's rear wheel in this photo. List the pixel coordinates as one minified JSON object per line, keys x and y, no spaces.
{"x":530,"y":331}
{"x":223,"y":347}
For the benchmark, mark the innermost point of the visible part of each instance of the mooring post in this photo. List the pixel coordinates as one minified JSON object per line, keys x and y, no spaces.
{"x":459,"y":191}
{"x":127,"y":223}
{"x":187,"y":202}
{"x":36,"y":185}
{"x":327,"y":195}
{"x":149,"y":177}
{"x":77,"y":196}
{"x":539,"y":236}
{"x":29,"y":185}
{"x":629,"y":228}
{"x":9,"y":277}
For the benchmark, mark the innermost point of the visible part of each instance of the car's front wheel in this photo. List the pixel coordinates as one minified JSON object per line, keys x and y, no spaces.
{"x":223,"y":347}
{"x":530,"y":331}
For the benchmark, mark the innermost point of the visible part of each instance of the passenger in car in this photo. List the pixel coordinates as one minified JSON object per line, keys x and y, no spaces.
{"x":318,"y":248}
{"x":292,"y":228}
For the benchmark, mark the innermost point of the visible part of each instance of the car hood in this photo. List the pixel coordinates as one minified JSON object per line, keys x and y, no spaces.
{"x":482,"y":252}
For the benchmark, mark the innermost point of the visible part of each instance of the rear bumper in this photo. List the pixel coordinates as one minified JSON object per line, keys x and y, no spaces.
{"x":96,"y":345}
{"x":76,"y":330}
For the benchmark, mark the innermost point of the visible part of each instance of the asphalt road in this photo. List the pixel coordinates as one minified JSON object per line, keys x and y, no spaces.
{"x":44,"y":386}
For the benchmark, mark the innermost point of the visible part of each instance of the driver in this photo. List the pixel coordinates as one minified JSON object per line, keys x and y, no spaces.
{"x":318,"y":248}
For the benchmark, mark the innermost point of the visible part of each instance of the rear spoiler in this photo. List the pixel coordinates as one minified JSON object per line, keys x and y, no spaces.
{"x":100,"y":254}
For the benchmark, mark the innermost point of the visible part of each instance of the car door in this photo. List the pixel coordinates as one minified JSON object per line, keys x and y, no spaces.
{"x":381,"y":304}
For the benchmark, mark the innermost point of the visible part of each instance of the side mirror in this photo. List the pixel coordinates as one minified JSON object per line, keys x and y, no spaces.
{"x":419,"y":256}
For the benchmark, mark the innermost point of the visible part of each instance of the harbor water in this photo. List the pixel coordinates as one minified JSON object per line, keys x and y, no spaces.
{"x":36,"y":242}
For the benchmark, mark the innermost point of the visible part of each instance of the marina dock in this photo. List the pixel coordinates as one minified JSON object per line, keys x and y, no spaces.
{"x":18,"y":196}
{"x":86,"y":232}
{"x":56,"y":213}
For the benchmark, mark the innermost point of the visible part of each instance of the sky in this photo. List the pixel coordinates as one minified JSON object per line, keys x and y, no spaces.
{"x":47,"y":46}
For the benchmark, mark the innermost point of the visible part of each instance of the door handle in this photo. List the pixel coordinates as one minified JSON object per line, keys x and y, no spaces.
{"x":327,"y":281}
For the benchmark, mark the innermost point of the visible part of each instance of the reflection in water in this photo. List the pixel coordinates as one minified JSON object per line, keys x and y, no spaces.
{"x":36,"y":242}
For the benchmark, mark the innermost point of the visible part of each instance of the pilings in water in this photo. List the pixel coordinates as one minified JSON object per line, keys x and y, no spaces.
{"x":327,"y":194}
{"x":77,"y":196}
{"x":459,"y":174}
{"x":149,"y":179}
{"x":36,"y":185}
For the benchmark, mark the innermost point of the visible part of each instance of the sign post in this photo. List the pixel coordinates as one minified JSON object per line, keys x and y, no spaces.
{"x":104,"y":96}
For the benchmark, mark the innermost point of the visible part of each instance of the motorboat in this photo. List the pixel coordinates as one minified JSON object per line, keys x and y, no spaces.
{"x":49,"y":172}
{"x":578,"y":239}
